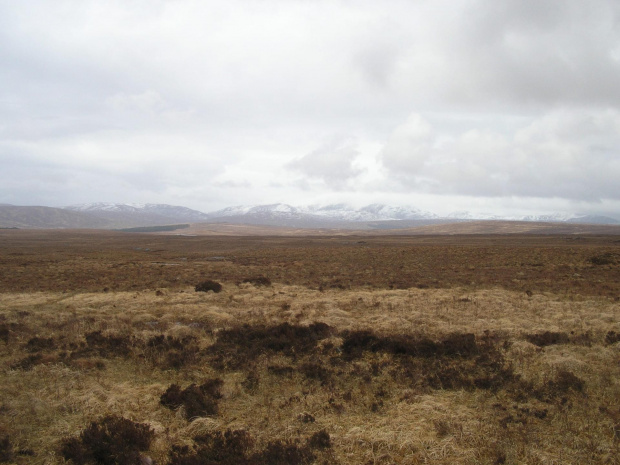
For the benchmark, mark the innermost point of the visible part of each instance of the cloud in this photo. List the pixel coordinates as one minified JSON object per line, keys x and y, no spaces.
{"x":530,"y":52}
{"x":162,"y":98}
{"x":333,"y":162}
{"x":570,"y":154}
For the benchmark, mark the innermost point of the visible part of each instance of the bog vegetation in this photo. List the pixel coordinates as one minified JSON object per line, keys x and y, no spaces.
{"x":146,"y":349}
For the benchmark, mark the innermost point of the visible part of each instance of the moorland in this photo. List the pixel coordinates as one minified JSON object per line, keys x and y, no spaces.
{"x":187,"y":349}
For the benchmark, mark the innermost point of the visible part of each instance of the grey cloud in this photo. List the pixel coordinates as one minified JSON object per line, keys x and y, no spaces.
{"x":540,"y":52}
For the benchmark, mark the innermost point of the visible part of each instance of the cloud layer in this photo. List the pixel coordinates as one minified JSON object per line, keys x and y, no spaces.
{"x":566,"y":154}
{"x":500,"y":105}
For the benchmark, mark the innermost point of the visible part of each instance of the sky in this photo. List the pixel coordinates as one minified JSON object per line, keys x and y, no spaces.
{"x":505,"y":107}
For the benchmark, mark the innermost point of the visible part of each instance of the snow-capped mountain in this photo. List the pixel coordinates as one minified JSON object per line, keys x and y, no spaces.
{"x":278,"y":214}
{"x":338,"y":215}
{"x":341,"y":212}
{"x":373,"y":212}
{"x":336,"y":212}
{"x":547,"y":218}
{"x":275,"y":210}
{"x":466,"y":215}
{"x":398,"y":213}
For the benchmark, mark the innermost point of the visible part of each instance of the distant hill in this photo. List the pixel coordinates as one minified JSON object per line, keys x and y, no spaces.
{"x":47,"y":218}
{"x":139,"y":215}
{"x":513,"y":227}
{"x":374,"y":217}
{"x":593,"y":219}
{"x":485,"y":227}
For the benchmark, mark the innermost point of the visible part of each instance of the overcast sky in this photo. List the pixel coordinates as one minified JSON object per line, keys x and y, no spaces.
{"x":506,"y":107}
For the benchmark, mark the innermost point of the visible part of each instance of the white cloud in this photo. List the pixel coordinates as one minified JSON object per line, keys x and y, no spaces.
{"x":508,"y":99}
{"x":569,"y":154}
{"x":333,"y":162}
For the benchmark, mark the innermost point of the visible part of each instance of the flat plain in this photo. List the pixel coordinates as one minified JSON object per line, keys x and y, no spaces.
{"x":325,"y":348}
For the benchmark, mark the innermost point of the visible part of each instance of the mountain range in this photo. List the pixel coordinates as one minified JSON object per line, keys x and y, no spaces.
{"x":340,"y":216}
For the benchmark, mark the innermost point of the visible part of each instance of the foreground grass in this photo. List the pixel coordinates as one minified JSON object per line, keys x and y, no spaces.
{"x":375,"y":376}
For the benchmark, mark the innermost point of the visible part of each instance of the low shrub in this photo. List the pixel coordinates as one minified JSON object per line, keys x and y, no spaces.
{"x":37,"y":344}
{"x":612,"y":337}
{"x":230,"y":446}
{"x":279,"y":370}
{"x":316,"y":371}
{"x":547,"y":338}
{"x":224,"y":448}
{"x":208,"y":285}
{"x":172,"y":352}
{"x":603,"y":259}
{"x":240,"y":346}
{"x":106,"y":345}
{"x":162,"y":343}
{"x":6,"y":449}
{"x":4,"y":332}
{"x":565,"y":381}
{"x":283,"y":453}
{"x":554,"y":389}
{"x":113,"y":440}
{"x":320,"y":440}
{"x":27,"y":362}
{"x":454,"y":345}
{"x":233,"y":447}
{"x":198,"y":401}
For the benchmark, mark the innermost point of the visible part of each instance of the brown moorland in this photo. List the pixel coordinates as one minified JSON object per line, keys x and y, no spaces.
{"x":120,"y":348}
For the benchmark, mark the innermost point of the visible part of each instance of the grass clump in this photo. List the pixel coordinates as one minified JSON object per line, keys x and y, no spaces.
{"x":113,"y":440}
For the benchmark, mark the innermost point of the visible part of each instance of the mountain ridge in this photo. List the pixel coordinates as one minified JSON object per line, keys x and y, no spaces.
{"x":376,"y":216}
{"x":382,"y":212}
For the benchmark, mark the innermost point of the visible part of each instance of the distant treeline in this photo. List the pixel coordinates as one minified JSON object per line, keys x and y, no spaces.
{"x":145,"y":229}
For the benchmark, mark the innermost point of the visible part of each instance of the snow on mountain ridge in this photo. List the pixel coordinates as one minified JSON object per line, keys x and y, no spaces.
{"x":338,"y":212}
{"x":398,"y":213}
{"x":553,"y":217}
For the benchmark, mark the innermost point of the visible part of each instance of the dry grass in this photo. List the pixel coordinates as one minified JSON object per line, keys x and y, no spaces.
{"x":457,"y":374}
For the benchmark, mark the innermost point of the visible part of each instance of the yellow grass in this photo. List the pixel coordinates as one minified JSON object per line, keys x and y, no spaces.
{"x":52,"y":400}
{"x":81,"y":315}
